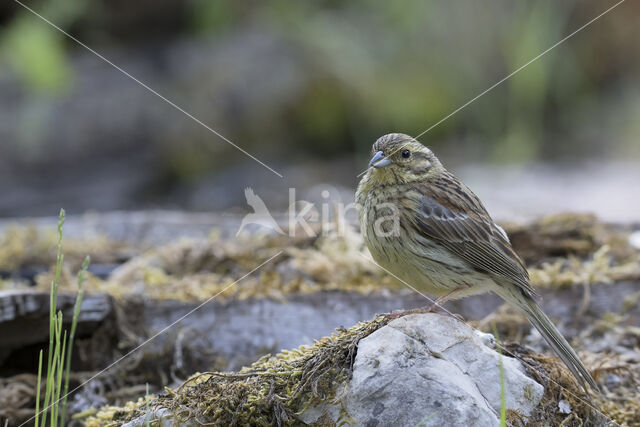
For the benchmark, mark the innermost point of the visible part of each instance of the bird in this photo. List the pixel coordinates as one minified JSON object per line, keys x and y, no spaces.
{"x":260,"y":216}
{"x":426,"y":227}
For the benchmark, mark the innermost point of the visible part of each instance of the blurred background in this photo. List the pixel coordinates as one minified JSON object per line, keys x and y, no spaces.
{"x":158,"y":200}
{"x":307,"y":88}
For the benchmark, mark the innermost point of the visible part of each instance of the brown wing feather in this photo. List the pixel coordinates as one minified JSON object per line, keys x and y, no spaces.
{"x":463,"y":226}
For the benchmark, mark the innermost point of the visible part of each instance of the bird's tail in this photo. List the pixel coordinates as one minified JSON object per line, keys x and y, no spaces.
{"x":547,"y":329}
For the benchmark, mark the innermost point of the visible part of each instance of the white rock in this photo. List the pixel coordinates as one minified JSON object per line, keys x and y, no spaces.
{"x":431,"y":370}
{"x":421,"y":369}
{"x":634,"y":239}
{"x":564,"y":407}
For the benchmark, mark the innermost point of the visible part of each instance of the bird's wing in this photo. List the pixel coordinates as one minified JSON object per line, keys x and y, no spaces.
{"x":462,"y":225}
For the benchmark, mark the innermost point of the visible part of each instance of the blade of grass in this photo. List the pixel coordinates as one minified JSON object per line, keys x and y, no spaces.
{"x":72,"y":334}
{"x":53,"y":375}
{"x":60,"y":256}
{"x":60,"y":371}
{"x":53,"y":304}
{"x":38,"y":386}
{"x":47,"y":392}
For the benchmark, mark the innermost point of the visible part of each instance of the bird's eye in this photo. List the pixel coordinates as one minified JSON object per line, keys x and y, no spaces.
{"x":406,"y":154}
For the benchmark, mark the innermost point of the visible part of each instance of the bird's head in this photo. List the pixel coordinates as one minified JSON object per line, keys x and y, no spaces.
{"x":399,"y":158}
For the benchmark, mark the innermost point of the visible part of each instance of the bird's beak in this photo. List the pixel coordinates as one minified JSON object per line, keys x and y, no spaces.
{"x":379,"y":160}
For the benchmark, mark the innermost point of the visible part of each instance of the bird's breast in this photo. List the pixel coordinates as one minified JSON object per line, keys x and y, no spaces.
{"x":411,"y":256}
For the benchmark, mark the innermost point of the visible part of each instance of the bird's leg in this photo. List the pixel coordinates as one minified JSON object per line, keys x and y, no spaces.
{"x":440,"y":301}
{"x":437,"y":304}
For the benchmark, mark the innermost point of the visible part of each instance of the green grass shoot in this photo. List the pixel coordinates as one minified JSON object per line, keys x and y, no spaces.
{"x":60,"y":347}
{"x":76,"y":313}
{"x":38,"y":387}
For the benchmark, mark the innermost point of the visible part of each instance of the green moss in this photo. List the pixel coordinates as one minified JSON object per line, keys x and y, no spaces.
{"x":566,"y":235}
{"x":558,"y":384}
{"x":28,"y":245}
{"x":271,"y":391}
{"x":630,"y":302}
{"x":600,"y":267}
{"x":619,"y":403}
{"x":21,"y":245}
{"x":274,"y":390}
{"x":107,"y":415}
{"x":189,"y":270}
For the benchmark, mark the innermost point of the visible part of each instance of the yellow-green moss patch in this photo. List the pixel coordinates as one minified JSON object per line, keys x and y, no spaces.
{"x":271,"y":391}
{"x":274,"y":389}
{"x":28,"y":245}
{"x":601,"y":267}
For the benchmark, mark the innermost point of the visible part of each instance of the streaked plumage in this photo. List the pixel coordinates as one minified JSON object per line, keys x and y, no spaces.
{"x":446,"y":243}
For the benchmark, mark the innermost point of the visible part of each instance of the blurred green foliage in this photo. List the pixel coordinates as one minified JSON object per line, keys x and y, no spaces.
{"x":369,"y":68}
{"x":211,"y":17}
{"x":38,"y":54}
